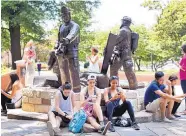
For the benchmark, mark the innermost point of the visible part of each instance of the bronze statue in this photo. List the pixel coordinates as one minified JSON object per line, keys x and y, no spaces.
{"x":53,"y":64}
{"x":66,"y":50}
{"x":126,"y":44}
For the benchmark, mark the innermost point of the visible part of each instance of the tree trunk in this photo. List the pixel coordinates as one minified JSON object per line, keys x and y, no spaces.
{"x":15,"y":43}
{"x":155,"y":68}
{"x":138,"y":64}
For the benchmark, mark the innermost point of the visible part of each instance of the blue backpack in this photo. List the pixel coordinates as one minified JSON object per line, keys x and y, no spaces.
{"x":77,"y":122}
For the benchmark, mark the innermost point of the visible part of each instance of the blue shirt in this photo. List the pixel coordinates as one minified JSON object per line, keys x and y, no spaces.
{"x":150,"y":94}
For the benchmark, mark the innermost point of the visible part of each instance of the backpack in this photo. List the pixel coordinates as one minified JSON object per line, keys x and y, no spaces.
{"x":77,"y":122}
{"x":122,"y":122}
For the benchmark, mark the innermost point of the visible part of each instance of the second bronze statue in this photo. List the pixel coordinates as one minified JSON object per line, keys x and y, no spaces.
{"x":126,"y":44}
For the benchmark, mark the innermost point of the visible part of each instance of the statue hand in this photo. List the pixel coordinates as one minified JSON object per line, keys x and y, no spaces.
{"x":65,"y":41}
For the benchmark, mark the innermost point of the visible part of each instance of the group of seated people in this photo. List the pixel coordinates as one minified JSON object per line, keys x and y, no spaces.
{"x":62,"y":112}
{"x":157,"y":96}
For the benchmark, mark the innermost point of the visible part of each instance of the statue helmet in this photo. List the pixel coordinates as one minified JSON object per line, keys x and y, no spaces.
{"x":65,"y":10}
{"x":126,"y":18}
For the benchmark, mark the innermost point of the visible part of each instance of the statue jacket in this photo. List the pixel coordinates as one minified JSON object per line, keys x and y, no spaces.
{"x":71,"y":32}
{"x":124,"y":42}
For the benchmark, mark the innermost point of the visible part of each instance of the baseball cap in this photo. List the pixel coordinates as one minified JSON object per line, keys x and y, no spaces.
{"x":91,"y":77}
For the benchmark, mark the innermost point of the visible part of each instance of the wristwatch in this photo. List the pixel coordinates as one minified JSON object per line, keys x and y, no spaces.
{"x":65,"y":114}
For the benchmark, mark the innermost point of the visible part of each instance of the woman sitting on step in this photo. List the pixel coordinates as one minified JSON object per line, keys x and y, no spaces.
{"x":112,"y":96}
{"x":62,"y":112}
{"x":90,"y":98}
{"x":15,"y":86}
{"x":173,"y":79}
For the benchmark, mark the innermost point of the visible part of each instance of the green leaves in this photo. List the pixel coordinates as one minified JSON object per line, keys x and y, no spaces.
{"x":170,"y":31}
{"x":29,"y":15}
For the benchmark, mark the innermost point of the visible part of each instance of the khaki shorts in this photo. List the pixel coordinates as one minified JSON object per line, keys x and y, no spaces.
{"x":153,"y":106}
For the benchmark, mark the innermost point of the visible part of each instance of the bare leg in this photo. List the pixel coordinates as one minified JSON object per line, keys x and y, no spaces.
{"x":58,"y":121}
{"x":170,"y":107}
{"x":93,"y":122}
{"x":53,"y":124}
{"x":163,"y":104}
{"x":97,"y":110}
{"x":52,"y":119}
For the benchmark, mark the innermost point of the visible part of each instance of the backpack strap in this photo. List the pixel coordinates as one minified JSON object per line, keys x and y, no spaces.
{"x":87,"y":95}
{"x":18,"y":100}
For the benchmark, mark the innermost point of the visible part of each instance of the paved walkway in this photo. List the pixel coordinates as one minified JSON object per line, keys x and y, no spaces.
{"x":11,"y":127}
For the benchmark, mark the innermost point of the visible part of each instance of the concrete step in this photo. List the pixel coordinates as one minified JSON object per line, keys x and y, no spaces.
{"x":141,"y":116}
{"x":23,"y":115}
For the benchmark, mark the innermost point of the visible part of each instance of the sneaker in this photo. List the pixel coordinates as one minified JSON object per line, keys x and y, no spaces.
{"x":112,"y":128}
{"x":172,"y":118}
{"x":3,"y":112}
{"x":50,"y":128}
{"x":135,"y":126}
{"x":177,"y":116}
{"x":166,"y":120}
{"x":104,"y":129}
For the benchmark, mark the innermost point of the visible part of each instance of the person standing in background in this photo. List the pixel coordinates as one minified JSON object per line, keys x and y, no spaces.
{"x":30,"y":56}
{"x":182,"y":66}
{"x":39,"y":67}
{"x":93,"y":61}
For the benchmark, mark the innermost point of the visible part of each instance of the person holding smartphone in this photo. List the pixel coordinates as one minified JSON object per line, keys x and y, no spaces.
{"x":112,"y":96}
{"x":62,"y":111}
{"x":182,"y":72}
{"x":90,"y":98}
{"x":173,"y":79}
{"x":182,"y":66}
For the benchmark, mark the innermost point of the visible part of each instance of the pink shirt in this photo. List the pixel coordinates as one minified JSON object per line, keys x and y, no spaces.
{"x":183,"y":65}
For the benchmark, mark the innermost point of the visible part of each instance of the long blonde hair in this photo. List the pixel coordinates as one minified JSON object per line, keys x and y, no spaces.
{"x":30,"y":43}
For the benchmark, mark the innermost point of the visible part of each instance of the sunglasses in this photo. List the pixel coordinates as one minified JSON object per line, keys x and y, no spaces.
{"x":114,"y":77}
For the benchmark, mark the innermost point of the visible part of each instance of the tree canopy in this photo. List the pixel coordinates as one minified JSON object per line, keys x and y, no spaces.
{"x":23,"y":20}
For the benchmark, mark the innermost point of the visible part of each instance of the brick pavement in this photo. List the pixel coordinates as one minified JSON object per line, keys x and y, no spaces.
{"x":11,"y":127}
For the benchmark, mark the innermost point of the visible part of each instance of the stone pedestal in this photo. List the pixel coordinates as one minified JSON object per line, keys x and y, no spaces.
{"x":37,"y":99}
{"x":136,"y":97}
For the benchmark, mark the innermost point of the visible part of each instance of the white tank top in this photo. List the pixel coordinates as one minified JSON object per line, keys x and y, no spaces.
{"x":93,"y":67}
{"x":17,"y":96}
{"x":65,"y":105}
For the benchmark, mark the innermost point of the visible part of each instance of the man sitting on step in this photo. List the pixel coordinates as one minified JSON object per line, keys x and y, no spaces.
{"x":157,"y":97}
